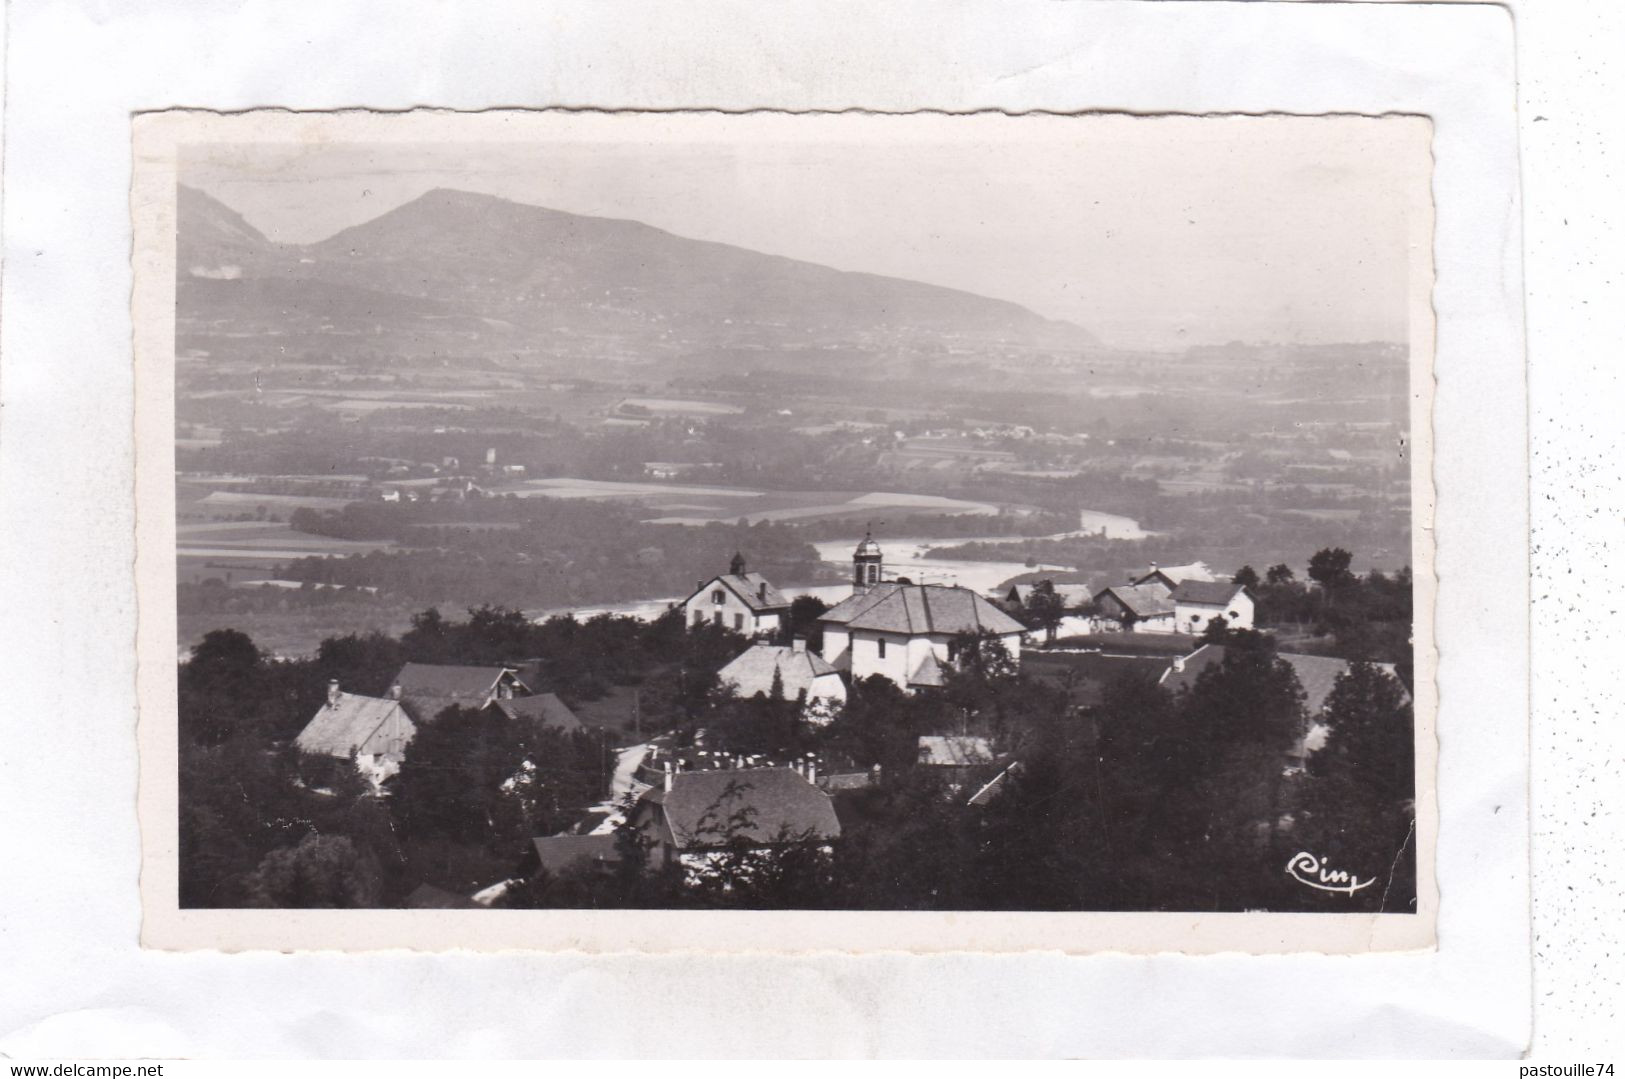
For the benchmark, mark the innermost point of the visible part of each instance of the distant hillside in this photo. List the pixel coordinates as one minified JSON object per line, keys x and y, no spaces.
{"x":464,"y":272}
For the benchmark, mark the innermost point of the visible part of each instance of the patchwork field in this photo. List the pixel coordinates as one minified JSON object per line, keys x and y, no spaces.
{"x":691,"y":504}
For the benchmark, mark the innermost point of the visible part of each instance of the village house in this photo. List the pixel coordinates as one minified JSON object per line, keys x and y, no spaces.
{"x":798,"y":671}
{"x":374,"y":731}
{"x":1152,"y":602}
{"x":694,"y":818}
{"x":908,"y":633}
{"x":1198,"y":603}
{"x":427,"y":689}
{"x":1137,"y":608}
{"x":739,"y":600}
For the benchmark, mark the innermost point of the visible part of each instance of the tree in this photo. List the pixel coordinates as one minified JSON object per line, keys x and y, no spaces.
{"x":1217,"y":630}
{"x":457,"y":779}
{"x":1044,"y":609}
{"x":802,"y":621}
{"x":1247,"y":577}
{"x":1370,"y":736}
{"x":1280,"y":573}
{"x":1329,"y":568}
{"x":321,"y":871}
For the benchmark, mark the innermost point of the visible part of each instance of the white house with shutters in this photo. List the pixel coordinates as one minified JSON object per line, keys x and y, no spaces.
{"x":1198,"y":603}
{"x":739,"y":600}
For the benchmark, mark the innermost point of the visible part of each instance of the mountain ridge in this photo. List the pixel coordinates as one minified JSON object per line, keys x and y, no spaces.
{"x":562,"y":276}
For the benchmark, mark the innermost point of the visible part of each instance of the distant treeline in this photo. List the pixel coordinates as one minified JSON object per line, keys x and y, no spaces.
{"x":559,"y":552}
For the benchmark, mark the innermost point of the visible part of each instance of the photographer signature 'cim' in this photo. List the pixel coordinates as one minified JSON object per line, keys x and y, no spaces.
{"x":1306,"y":868}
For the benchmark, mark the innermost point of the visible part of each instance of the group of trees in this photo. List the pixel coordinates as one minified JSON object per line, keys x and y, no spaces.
{"x":1367,"y":617}
{"x":1145,"y":801}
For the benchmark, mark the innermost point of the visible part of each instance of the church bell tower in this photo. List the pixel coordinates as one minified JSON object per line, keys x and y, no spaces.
{"x":866,"y":562}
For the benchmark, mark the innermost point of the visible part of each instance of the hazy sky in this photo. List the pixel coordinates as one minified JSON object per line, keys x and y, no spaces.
{"x":1149,"y":232}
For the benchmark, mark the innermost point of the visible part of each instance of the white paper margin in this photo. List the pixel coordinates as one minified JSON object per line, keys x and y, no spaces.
{"x":76,"y":73}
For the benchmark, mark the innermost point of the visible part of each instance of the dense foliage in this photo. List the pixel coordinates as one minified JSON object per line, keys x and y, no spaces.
{"x":1126,"y":798}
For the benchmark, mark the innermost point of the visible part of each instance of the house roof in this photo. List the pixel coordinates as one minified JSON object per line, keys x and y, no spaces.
{"x":753,"y":590}
{"x":345,"y":725}
{"x":779,"y":802}
{"x":546,"y":708}
{"x":751,"y":672}
{"x":457,"y":682}
{"x":558,"y":852}
{"x":1316,"y":674}
{"x":1141,"y":600}
{"x":1194,"y":571}
{"x":1070,"y":595}
{"x":954,"y":750}
{"x":911,"y":609}
{"x":1207,"y":593}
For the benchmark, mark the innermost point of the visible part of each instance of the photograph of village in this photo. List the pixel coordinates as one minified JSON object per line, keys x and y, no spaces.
{"x":888,"y":524}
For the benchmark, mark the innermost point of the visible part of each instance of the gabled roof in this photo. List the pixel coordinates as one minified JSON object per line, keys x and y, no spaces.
{"x":779,"y":802}
{"x":1194,"y":571}
{"x":558,"y":852}
{"x":893,"y":607}
{"x":753,"y":590}
{"x":751,"y":672}
{"x":954,"y":750}
{"x":1141,"y":600}
{"x":351,"y":722}
{"x":545,"y":708}
{"x":1207,"y":593}
{"x":1316,"y":674}
{"x":454,"y":681}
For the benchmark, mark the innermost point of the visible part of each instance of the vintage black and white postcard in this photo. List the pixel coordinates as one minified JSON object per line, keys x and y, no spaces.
{"x":786,"y":532}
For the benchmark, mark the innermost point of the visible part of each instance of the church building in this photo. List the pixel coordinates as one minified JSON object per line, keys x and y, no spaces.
{"x":907,"y":632}
{"x":739,"y":600}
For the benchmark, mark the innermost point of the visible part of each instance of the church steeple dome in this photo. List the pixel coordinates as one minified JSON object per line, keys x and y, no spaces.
{"x":866,"y":563}
{"x":737,"y":565}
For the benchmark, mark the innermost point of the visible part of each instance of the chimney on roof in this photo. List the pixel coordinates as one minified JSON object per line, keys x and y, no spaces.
{"x":812,"y":772}
{"x":761,"y":592}
{"x":332,"y":693}
{"x":1179,"y":664}
{"x":798,"y":643}
{"x":668,"y":776}
{"x":395,"y":692}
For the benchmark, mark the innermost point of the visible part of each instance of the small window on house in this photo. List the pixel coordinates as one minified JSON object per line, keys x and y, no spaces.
{"x":880,"y":644}
{"x":699,"y":617}
{"x":1195,"y":618}
{"x":953,"y":651}
{"x":718,"y":597}
{"x":716,"y":618}
{"x":739,"y":620}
